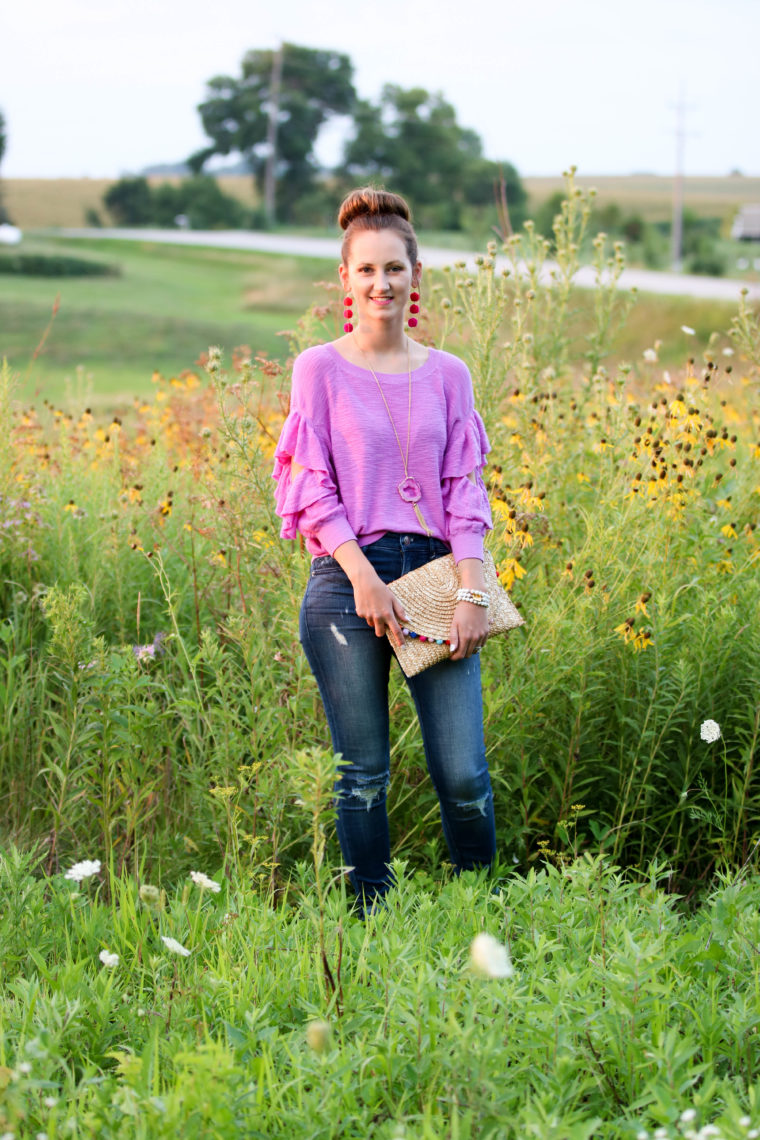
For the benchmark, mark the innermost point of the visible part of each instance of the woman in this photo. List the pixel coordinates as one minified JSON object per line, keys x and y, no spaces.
{"x":379,"y":468}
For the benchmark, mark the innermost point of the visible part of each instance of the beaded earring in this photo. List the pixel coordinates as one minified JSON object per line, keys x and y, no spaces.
{"x":414,"y":309}
{"x":347,"y":314}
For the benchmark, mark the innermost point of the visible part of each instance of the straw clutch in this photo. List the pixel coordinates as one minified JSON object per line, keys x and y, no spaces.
{"x":428,"y":596}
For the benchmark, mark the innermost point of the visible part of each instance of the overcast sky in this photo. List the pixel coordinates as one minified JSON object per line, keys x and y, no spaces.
{"x":103,"y":88}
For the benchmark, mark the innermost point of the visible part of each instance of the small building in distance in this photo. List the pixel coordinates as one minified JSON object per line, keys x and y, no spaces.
{"x":746,"y":225}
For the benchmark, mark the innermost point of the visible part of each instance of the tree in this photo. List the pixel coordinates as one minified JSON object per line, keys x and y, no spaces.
{"x":272,"y":115}
{"x":411,"y":140}
{"x":129,"y":202}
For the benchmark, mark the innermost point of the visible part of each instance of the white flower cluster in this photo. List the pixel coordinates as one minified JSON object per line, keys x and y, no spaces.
{"x":489,"y":958}
{"x":710,"y":731}
{"x":109,"y":960}
{"x":175,"y":946}
{"x":205,"y":882}
{"x":84,"y":870}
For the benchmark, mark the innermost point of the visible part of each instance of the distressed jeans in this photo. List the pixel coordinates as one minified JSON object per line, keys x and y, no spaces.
{"x":351,"y":666}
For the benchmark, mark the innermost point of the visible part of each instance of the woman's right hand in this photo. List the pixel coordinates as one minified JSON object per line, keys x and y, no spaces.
{"x":377,"y":605}
{"x":374,"y":601}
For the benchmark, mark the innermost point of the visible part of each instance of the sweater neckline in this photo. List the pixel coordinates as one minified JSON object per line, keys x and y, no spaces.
{"x":366,"y":373}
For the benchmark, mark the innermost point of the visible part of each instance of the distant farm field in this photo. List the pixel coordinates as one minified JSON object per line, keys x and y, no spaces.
{"x":651,"y":195}
{"x":37,"y":202}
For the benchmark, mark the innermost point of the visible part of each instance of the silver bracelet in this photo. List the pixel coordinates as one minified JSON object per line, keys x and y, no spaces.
{"x":477,"y":597}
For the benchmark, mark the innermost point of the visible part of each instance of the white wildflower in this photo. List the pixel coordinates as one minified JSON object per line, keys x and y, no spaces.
{"x":41,"y":1136}
{"x":25,"y":1068}
{"x":50,"y":1101}
{"x":318,"y":1035}
{"x":650,"y":355}
{"x":753,"y":1133}
{"x":8,"y":1136}
{"x":744,"y":1121}
{"x":728,"y":352}
{"x":175,"y":946}
{"x":205,"y":882}
{"x":642,"y":1135}
{"x":108,"y":959}
{"x":490,"y":958}
{"x":688,"y":1115}
{"x":710,"y":731}
{"x":689,"y":331}
{"x":660,"y":1134}
{"x":84,"y":870}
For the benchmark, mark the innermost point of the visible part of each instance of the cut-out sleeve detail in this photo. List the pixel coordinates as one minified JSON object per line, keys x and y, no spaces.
{"x":308,"y":502}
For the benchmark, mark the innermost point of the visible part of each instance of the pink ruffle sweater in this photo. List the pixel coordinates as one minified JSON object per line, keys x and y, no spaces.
{"x":338,"y":430}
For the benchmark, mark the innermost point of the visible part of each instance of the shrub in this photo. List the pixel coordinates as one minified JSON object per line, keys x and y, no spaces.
{"x":55,"y":265}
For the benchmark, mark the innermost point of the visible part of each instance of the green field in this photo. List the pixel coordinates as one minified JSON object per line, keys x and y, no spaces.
{"x":165,"y":309}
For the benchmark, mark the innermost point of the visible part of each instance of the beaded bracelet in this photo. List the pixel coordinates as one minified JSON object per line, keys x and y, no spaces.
{"x":477,"y":597}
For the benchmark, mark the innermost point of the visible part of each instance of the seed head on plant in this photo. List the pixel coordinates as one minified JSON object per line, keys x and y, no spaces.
{"x":318,"y":1035}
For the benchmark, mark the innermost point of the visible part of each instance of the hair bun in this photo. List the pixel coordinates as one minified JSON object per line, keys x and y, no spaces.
{"x":371,"y":202}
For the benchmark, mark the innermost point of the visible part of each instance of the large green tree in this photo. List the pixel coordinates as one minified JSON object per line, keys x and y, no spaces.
{"x":411,"y":140}
{"x":272,"y":113}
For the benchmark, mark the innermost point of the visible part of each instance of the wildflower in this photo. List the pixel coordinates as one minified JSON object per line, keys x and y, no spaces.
{"x":175,"y":946}
{"x":710,"y":731}
{"x":689,"y":331}
{"x":650,"y":356}
{"x":688,"y":1116}
{"x":108,"y":959}
{"x":318,"y":1035}
{"x":50,"y":1101}
{"x":25,"y":1068}
{"x":149,"y":894}
{"x":204,"y":882}
{"x":84,"y":870}
{"x":490,"y":958}
{"x":641,"y":640}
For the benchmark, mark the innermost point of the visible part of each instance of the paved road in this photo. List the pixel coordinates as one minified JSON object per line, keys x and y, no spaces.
{"x":645,"y":280}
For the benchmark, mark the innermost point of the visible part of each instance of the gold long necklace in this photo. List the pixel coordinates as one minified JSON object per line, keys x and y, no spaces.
{"x":409,"y":488}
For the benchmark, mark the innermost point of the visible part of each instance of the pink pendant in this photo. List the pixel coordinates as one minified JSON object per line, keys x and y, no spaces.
{"x":410,"y":490}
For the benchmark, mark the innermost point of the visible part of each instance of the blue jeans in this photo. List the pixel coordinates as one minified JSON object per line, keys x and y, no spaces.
{"x":351,"y":665}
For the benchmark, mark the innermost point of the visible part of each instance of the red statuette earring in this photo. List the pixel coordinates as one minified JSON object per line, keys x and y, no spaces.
{"x":347,"y":314}
{"x":413,"y":309}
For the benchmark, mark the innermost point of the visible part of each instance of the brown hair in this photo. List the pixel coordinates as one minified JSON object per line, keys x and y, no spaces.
{"x":371,"y":209}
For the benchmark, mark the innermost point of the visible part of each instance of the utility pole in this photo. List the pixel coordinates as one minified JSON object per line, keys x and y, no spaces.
{"x":270,"y":171}
{"x":676,"y":246}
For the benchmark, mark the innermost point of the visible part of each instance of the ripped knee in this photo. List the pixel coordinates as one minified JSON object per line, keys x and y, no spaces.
{"x":477,"y":806}
{"x":367,"y":792}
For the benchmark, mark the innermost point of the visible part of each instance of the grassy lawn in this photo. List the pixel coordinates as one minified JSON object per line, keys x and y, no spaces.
{"x":166,"y":307}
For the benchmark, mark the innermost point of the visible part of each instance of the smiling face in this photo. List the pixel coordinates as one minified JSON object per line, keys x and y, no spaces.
{"x":379,"y":276}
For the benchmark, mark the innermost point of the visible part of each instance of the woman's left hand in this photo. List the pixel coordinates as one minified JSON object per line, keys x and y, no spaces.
{"x":469,"y":630}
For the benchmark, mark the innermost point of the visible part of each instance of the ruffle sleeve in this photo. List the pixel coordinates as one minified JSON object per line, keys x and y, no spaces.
{"x":468,"y":512}
{"x":309,"y":503}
